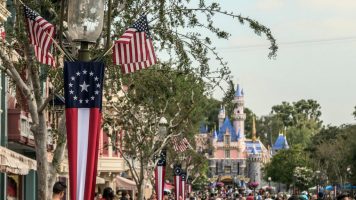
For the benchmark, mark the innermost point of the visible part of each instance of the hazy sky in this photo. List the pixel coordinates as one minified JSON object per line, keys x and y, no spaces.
{"x":316,"y":57}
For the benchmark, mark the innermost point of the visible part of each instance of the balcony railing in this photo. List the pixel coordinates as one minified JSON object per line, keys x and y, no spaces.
{"x":19,"y":127}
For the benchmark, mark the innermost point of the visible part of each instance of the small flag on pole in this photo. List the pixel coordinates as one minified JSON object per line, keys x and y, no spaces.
{"x":134,"y":49}
{"x":41,"y":34}
{"x":180,"y":145}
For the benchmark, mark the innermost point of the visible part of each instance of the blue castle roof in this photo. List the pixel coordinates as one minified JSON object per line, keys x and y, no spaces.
{"x":253,"y":147}
{"x":215,"y":135}
{"x":203,"y":128}
{"x":227,"y":126}
{"x":281,"y":143}
{"x":239,"y":91}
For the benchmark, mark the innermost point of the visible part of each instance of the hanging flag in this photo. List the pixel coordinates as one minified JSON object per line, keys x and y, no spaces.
{"x":180,"y":145}
{"x":41,"y":34}
{"x":83,"y":83}
{"x":177,"y":182}
{"x":160,"y":173}
{"x":183,"y":184}
{"x":134,"y":49}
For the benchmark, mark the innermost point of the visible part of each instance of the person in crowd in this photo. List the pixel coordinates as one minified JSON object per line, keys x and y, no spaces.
{"x":343,"y":196}
{"x":124,"y":195}
{"x":108,"y":194}
{"x":321,"y":196}
{"x":250,"y":197}
{"x":58,"y":190}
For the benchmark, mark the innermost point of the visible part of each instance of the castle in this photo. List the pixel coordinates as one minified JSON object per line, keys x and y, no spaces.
{"x":233,"y":158}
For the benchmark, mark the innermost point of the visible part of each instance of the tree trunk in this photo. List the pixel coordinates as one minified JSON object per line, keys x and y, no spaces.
{"x":58,"y":154}
{"x":141,"y":188}
{"x":40,"y":136}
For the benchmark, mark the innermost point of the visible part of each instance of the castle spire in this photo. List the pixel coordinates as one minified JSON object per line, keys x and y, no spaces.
{"x":253,"y":129}
{"x":239,"y":91}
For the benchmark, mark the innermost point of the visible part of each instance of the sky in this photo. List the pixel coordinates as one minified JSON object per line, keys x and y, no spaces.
{"x":316,"y":57}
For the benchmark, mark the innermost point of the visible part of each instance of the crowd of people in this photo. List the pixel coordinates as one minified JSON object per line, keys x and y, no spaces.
{"x":260,"y":195}
{"x":59,"y":189}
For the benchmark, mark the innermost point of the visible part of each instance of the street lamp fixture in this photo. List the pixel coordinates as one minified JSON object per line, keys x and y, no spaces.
{"x":163,"y":124}
{"x":269,"y":181}
{"x":85,"y":23}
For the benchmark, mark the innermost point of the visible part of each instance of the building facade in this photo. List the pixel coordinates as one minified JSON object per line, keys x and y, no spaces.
{"x":234,"y":157}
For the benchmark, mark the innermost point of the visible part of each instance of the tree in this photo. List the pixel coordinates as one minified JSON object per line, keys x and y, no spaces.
{"x":139,"y":110}
{"x":303,"y":177}
{"x":282,"y":166}
{"x":354,"y":113}
{"x":301,"y":120}
{"x":333,"y":151}
{"x":176,"y":28}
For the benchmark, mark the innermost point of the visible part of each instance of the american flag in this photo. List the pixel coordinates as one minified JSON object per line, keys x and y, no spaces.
{"x":83,"y":86}
{"x":134,"y":49}
{"x":41,"y":34}
{"x":180,"y":145}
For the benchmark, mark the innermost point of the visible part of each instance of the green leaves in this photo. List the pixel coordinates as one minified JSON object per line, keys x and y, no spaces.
{"x":283,"y":164}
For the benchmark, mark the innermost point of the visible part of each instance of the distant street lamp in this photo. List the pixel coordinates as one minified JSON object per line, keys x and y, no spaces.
{"x":85,"y":23}
{"x":163,"y":123}
{"x":269,"y":181}
{"x":318,"y":180}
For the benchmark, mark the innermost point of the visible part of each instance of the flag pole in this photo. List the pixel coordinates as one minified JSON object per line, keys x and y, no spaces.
{"x":106,"y":52}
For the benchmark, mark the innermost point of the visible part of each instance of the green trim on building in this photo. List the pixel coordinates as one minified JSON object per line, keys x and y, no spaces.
{"x":30,"y":186}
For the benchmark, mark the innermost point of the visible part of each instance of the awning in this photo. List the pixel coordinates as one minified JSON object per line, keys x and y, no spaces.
{"x":125,"y":184}
{"x":15,"y":163}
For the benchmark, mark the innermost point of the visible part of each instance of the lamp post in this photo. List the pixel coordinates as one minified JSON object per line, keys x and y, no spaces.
{"x":269,"y":181}
{"x":85,"y":23}
{"x":163,"y":123}
{"x":318,"y":181}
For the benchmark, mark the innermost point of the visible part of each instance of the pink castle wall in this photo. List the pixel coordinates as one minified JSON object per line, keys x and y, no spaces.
{"x":219,"y":154}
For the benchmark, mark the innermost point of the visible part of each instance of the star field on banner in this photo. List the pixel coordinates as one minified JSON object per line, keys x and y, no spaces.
{"x":160,"y":173}
{"x":41,"y":34}
{"x":83,"y":83}
{"x":134,"y":49}
{"x":177,"y":181}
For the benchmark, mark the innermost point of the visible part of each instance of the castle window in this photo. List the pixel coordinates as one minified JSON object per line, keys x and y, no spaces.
{"x":227,"y":153}
{"x":227,"y":139}
{"x":227,"y":169}
{"x":216,"y":168}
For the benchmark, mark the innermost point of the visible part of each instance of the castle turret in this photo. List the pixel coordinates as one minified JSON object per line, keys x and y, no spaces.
{"x":221,"y":116}
{"x":281,"y":143}
{"x":239,"y":116}
{"x":254,"y":158}
{"x":254,"y":161}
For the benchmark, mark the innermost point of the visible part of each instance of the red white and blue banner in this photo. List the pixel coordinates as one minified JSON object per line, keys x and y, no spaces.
{"x":178,"y":182}
{"x":183,"y":184}
{"x":160,"y":172}
{"x":83,"y":83}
